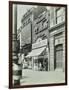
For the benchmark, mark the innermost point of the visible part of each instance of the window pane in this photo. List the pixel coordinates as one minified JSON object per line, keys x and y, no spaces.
{"x":60,"y":19}
{"x":60,"y":15}
{"x":59,"y":12}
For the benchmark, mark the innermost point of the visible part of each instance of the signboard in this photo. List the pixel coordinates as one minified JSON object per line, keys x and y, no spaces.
{"x":40,"y":43}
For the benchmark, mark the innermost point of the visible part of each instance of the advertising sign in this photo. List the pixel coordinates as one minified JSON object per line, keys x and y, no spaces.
{"x":39,"y":43}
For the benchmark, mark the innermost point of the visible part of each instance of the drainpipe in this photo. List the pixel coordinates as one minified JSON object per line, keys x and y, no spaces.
{"x":17,"y":71}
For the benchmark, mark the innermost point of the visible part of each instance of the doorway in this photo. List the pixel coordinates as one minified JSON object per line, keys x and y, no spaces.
{"x":59,"y":57}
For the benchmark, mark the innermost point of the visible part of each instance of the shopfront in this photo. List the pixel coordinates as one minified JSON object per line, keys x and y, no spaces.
{"x":39,"y":55}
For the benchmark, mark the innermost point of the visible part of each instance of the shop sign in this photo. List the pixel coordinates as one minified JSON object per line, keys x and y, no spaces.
{"x":39,"y":44}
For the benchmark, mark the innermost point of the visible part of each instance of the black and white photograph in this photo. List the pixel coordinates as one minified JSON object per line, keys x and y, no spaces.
{"x":37,"y":44}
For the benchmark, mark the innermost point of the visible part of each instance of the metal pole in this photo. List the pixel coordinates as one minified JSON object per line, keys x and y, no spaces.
{"x":17,"y":72}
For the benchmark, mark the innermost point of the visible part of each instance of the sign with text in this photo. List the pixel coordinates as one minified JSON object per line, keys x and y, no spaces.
{"x":41,"y":43}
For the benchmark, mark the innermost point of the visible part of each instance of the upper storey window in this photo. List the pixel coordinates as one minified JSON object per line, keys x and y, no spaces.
{"x":60,"y":15}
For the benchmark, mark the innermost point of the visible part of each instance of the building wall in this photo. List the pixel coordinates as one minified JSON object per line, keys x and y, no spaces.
{"x":26,"y":35}
{"x":64,"y":51}
{"x":57,"y":15}
{"x":24,"y":32}
{"x":51,"y":53}
{"x":57,"y":29}
{"x":40,"y":27}
{"x":38,"y":10}
{"x":54,"y":42}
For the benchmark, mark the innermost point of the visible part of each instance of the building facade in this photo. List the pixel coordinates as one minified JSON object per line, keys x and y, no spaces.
{"x":40,"y":41}
{"x":40,"y":26}
{"x":57,"y":38}
{"x":24,"y":32}
{"x":42,"y":38}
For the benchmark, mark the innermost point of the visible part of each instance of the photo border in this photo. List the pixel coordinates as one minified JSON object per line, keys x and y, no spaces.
{"x":10,"y":43}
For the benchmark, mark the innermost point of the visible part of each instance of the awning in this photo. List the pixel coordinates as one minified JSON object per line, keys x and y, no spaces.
{"x":36,"y":52}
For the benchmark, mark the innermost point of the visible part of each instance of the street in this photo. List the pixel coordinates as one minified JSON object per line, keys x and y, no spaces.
{"x":30,"y":77}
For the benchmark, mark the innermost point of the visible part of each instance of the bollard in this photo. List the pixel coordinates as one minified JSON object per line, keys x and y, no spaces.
{"x":17,"y":73}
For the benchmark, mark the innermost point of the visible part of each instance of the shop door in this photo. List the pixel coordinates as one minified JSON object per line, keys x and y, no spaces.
{"x":59,"y":56}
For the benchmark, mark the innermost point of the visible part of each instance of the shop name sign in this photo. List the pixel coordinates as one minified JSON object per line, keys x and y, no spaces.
{"x":39,"y":44}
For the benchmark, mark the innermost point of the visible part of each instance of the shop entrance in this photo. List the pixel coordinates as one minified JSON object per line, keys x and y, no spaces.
{"x":43,"y":63}
{"x":40,"y":64}
{"x":59,"y":57}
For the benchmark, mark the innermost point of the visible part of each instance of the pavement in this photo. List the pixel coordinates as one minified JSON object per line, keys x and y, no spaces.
{"x":30,"y":77}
